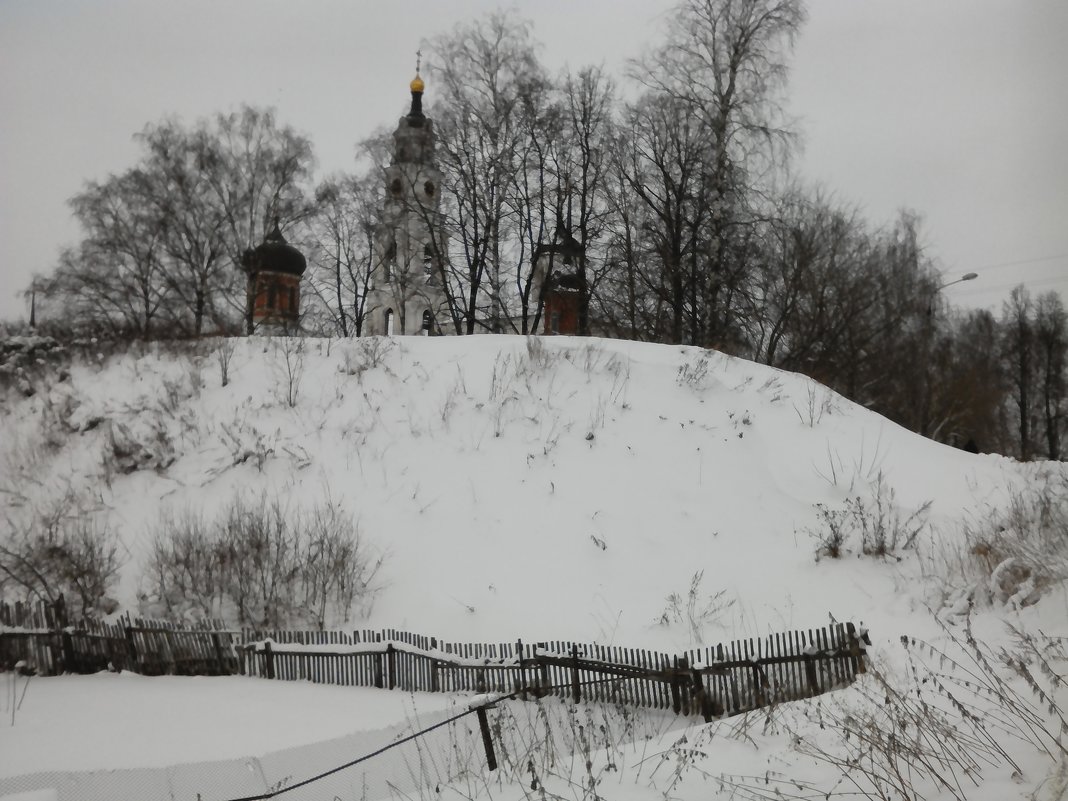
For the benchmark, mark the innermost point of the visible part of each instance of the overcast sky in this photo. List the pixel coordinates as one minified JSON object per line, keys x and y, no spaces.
{"x":955,"y":108}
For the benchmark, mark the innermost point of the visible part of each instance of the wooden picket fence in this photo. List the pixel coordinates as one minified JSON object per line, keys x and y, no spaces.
{"x":39,"y":638}
{"x":711,"y":682}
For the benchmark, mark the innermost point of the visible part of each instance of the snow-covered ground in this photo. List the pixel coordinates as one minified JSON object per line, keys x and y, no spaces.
{"x":592,"y":490}
{"x":130,"y":721}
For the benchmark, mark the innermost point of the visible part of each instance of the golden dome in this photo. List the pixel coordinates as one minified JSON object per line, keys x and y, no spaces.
{"x":417,"y":83}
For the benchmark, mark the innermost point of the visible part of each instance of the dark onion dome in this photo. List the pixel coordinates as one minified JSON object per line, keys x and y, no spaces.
{"x":567,"y":281}
{"x":275,"y":255}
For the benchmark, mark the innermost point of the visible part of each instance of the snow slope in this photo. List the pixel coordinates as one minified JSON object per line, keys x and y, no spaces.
{"x":530,"y":488}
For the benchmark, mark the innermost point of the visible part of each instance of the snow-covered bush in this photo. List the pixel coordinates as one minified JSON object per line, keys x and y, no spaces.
{"x":818,"y":401}
{"x":875,"y":524}
{"x":24,"y":359}
{"x":960,"y":708}
{"x":1017,"y":551}
{"x":224,"y":354}
{"x":64,"y":551}
{"x":288,"y":366}
{"x":694,"y":374}
{"x":830,"y":533}
{"x":142,"y":444}
{"x":260,"y":564}
{"x":695,"y":609}
{"x":366,"y":353}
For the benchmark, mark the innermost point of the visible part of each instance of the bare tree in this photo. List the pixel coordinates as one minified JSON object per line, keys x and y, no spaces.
{"x":482,"y":69}
{"x":193,"y":229}
{"x":1051,"y":342}
{"x":723,"y":66}
{"x":254,"y":172}
{"x":662,"y":161}
{"x":113,"y":281}
{"x":534,"y":192}
{"x":1019,"y":353}
{"x":343,"y":255}
{"x":589,"y":130}
{"x":162,"y":241}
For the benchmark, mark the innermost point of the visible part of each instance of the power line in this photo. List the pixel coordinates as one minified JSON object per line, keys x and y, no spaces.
{"x":472,"y":710}
{"x":1035,"y":260}
{"x":980,"y":290}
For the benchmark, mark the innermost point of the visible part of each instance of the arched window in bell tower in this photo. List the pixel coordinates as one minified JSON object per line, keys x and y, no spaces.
{"x":428,"y":323}
{"x":389,"y":322}
{"x":428,"y":259}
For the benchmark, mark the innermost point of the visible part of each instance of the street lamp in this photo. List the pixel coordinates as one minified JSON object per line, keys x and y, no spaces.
{"x":965,"y":277}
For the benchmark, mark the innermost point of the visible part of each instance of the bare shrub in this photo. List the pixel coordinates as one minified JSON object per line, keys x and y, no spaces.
{"x":695,"y":609}
{"x":366,"y":353}
{"x":538,"y":355}
{"x":64,"y":552}
{"x":187,"y":569}
{"x":336,"y":568}
{"x":819,"y":401}
{"x":933,"y":731}
{"x":289,"y":368}
{"x":246,"y":443}
{"x":143,"y":444}
{"x":260,"y":564}
{"x":224,"y":354}
{"x":694,"y":373}
{"x":592,"y":358}
{"x":28,"y":360}
{"x":877,"y":524}
{"x":884,"y":528}
{"x":956,"y":713}
{"x":831,"y":532}
{"x":260,"y":546}
{"x":1015,"y":552}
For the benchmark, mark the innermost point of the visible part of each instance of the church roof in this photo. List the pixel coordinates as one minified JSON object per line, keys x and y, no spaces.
{"x":275,"y":255}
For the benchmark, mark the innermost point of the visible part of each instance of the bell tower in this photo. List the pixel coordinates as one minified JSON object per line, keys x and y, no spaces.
{"x":407,"y":295}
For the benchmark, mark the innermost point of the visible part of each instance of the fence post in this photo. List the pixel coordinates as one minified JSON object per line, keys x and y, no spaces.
{"x":487,"y":741}
{"x":704,"y":699}
{"x":391,"y":664}
{"x":131,"y":645}
{"x":543,"y":670}
{"x":70,"y":660}
{"x":218,"y":653}
{"x":522,"y":670}
{"x":810,"y":674}
{"x":59,"y":612}
{"x":576,"y":689}
{"x":268,"y":659}
{"x":855,"y":650}
{"x":676,"y":696}
{"x":758,"y":683}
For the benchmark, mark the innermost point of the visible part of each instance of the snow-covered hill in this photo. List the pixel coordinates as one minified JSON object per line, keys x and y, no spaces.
{"x":592,"y":490}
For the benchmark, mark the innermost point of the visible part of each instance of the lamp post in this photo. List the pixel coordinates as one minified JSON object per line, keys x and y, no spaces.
{"x":926,"y":400}
{"x":965,"y":277}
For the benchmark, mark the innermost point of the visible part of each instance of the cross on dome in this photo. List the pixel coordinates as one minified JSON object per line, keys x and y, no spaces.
{"x":417,"y":84}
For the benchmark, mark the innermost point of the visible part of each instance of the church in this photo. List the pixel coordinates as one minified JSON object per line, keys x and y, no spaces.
{"x":406,"y":292}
